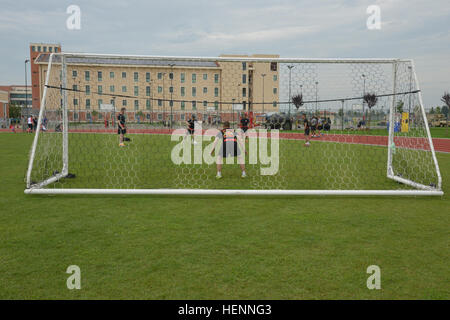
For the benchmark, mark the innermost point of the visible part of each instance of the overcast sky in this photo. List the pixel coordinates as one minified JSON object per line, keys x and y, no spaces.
{"x":417,"y":29}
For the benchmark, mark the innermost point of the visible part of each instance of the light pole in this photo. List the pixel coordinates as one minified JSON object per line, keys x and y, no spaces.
{"x":151,"y":100}
{"x":317,"y":82}
{"x":364,"y":93}
{"x":263,"y":76}
{"x":343,"y":114}
{"x":26,"y":88}
{"x":410,"y":89}
{"x":164,"y":99}
{"x":290,"y":69}
{"x":171,"y":65}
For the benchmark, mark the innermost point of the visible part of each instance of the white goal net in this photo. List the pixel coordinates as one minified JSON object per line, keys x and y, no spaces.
{"x":230,"y":125}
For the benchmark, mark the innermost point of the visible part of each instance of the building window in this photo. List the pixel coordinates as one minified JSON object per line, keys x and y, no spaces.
{"x":183,"y":91}
{"x":171,"y":76}
{"x":136,"y":77}
{"x":244,"y":78}
{"x":111,"y":88}
{"x":147,"y":91}
{"x":216,"y":78}
{"x":183,"y":116}
{"x":171,"y":89}
{"x":171,"y":103}
{"x":113,"y":102}
{"x":50,"y":49}
{"x":275,"y":90}
{"x":244,"y":92}
{"x":75,"y":116}
{"x":136,"y":104}
{"x":216,"y":92}
{"x":87,"y":75}
{"x":136,"y":90}
{"x":100,"y":76}
{"x":205,"y":90}
{"x":100,"y":116}
{"x":159,"y":103}
{"x":160,"y":89}
{"x":88,"y":90}
{"x":45,"y":49}
{"x":194,"y":91}
{"x":159,"y":75}
{"x":273,"y":66}
{"x":111,"y":74}
{"x":159,"y":116}
{"x":75,"y":102}
{"x":182,"y":77}
{"x":33,"y":48}
{"x":100,"y":102}
{"x":274,"y":104}
{"x":124,"y":75}
{"x":100,"y":89}
{"x":244,"y":65}
{"x":56,"y":49}
{"x":275,"y":78}
{"x":244,"y":104}
{"x":88,"y":103}
{"x":216,"y":105}
{"x":74,"y":73}
{"x":147,"y":76}
{"x":124,"y":88}
{"x":205,"y":76}
{"x":194,"y":78}
{"x":147,"y":104}
{"x":124,"y":103}
{"x":75,"y":87}
{"x":39,"y":48}
{"x":194,"y":105}
{"x":205,"y":103}
{"x":183,"y":105}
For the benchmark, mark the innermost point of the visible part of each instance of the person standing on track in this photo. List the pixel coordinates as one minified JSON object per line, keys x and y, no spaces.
{"x":306,"y":126}
{"x":122,"y":128}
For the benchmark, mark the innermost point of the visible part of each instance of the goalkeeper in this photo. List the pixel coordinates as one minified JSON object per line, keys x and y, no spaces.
{"x":122,"y":129}
{"x":232,"y":144}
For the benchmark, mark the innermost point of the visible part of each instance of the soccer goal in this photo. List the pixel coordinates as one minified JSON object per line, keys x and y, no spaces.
{"x":120,"y":124}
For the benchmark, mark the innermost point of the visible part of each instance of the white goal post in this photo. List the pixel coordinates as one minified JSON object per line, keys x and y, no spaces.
{"x":364,"y":119}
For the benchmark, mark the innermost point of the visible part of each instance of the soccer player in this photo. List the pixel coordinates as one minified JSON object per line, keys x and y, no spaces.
{"x":306,"y":127}
{"x":30,"y":124}
{"x":232,"y":144}
{"x":313,"y":126}
{"x":319,"y":126}
{"x":191,"y":127}
{"x":122,"y":129}
{"x":244,"y":123}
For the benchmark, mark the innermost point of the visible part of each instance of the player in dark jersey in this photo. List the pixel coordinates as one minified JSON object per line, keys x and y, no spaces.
{"x":122,"y":128}
{"x":307,"y":128}
{"x":244,"y":123}
{"x":232,"y":144}
{"x":191,"y":127}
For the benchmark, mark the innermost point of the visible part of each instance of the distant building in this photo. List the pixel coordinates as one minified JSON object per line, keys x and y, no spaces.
{"x":4,"y":100}
{"x":15,"y":94}
{"x":35,"y":50}
{"x":148,"y":86}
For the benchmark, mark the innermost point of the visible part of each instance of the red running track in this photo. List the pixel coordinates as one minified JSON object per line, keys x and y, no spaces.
{"x":440,"y":144}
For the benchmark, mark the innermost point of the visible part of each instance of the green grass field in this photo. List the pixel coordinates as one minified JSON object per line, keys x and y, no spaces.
{"x":180,"y":247}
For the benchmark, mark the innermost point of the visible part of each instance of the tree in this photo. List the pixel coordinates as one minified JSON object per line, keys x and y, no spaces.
{"x":432,"y":110}
{"x":399,"y":106}
{"x":14,"y":111}
{"x":94,"y":114}
{"x":445,"y":110}
{"x":446,"y":99}
{"x":297,"y":100}
{"x":438,"y":110}
{"x":371,"y":100}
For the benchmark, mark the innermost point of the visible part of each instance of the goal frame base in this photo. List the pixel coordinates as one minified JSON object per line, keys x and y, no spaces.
{"x":237,"y":192}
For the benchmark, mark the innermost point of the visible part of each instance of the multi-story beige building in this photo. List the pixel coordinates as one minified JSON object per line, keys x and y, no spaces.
{"x":159,"y":89}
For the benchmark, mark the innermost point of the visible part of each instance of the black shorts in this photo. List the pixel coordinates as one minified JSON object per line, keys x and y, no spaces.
{"x":313,"y":128}
{"x":230,"y":152}
{"x":307,"y":132}
{"x":320,"y":127}
{"x":121,"y":131}
{"x":190,"y":130}
{"x":30,"y":126}
{"x":244,"y":129}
